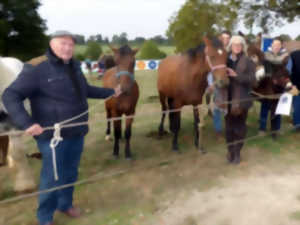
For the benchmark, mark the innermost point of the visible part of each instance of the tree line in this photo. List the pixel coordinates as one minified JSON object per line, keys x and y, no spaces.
{"x":121,"y":39}
{"x":22,"y":30}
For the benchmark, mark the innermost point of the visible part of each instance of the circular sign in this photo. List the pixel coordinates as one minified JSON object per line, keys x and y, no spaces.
{"x":141,"y":65}
{"x":152,"y":65}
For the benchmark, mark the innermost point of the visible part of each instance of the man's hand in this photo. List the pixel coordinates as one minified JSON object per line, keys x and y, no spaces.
{"x":294,"y":91}
{"x":118,"y":91}
{"x":231,"y":72}
{"x":34,"y":130}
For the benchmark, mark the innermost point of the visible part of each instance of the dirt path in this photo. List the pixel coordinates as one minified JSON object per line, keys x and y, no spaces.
{"x":262,"y":198}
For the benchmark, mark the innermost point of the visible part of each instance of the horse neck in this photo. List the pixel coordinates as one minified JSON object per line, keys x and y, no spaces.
{"x":200,"y":69}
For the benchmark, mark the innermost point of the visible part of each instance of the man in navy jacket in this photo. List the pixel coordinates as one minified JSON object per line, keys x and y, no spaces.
{"x":57,"y":90}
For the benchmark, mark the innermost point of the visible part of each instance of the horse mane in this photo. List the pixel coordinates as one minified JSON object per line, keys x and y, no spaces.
{"x":193,"y":52}
{"x":253,"y":50}
{"x":125,"y":50}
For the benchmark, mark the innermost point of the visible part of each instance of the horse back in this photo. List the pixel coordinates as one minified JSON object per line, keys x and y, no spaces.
{"x":169,"y":71}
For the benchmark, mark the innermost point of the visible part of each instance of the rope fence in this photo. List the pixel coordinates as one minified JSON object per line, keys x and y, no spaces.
{"x":100,"y":176}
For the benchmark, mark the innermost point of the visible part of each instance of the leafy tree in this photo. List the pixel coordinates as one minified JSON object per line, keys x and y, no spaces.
{"x":268,"y":14}
{"x":21,"y":29}
{"x":93,"y":50}
{"x":79,"y":39}
{"x":297,"y":38}
{"x":285,"y":37}
{"x":150,"y":50}
{"x":197,"y":18}
{"x":120,"y":39}
{"x":98,"y":38}
{"x":139,"y":40}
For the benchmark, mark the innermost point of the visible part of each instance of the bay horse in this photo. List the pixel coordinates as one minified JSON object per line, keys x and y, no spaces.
{"x":182,"y":80}
{"x":122,"y":74}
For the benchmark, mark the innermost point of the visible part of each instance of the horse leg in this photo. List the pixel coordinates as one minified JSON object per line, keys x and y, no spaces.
{"x":164,"y":107}
{"x":117,"y":134}
{"x":4,"y":150}
{"x":108,"y":131}
{"x":127,"y":137}
{"x":174,"y":118}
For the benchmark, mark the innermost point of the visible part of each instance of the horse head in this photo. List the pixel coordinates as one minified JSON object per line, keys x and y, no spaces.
{"x":216,"y":58}
{"x":124,"y":58}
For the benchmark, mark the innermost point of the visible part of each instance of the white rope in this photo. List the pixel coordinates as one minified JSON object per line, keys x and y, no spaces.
{"x":53,"y":143}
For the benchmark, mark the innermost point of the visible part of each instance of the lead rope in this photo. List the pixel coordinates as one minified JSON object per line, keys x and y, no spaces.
{"x":53,"y":143}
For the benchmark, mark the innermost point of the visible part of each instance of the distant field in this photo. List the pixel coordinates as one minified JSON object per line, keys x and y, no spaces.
{"x":169,"y":50}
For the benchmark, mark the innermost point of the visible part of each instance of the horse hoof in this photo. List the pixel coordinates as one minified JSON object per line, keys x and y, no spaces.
{"x":236,"y":161}
{"x":107,"y":138}
{"x":202,"y":150}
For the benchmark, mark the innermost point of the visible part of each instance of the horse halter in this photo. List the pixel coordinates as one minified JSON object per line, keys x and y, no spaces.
{"x":213,"y":68}
{"x":125,"y":73}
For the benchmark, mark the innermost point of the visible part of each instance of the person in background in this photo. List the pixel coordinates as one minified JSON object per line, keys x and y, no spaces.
{"x":275,"y":55}
{"x":217,"y":113}
{"x":293,"y":67}
{"x":57,"y":91}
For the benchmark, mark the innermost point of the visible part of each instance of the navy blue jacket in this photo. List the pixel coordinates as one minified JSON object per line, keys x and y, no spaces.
{"x":56,"y":92}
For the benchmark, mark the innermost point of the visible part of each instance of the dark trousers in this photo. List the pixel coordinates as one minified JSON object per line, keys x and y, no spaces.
{"x":264,"y":112}
{"x":235,"y":129}
{"x":296,"y":113}
{"x":68,"y":153}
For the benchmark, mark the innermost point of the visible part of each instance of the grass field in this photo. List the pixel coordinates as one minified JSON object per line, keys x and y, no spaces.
{"x":147,"y":185}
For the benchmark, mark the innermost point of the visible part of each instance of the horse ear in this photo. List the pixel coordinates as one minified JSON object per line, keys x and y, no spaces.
{"x":115,"y":50}
{"x":135,"y":50}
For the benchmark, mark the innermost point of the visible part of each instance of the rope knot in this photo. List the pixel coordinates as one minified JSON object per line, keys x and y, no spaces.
{"x":53,"y":143}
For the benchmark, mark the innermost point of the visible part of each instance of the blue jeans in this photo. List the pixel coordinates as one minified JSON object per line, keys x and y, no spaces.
{"x":217,"y":120}
{"x":264,"y":111}
{"x":296,"y":114}
{"x":68,"y":153}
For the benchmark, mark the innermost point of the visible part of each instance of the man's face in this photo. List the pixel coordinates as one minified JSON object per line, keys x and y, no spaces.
{"x":63,"y":47}
{"x":225,"y":38}
{"x":276,"y":46}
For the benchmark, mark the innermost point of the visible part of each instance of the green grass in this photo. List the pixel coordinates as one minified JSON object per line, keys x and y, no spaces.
{"x":157,"y":174}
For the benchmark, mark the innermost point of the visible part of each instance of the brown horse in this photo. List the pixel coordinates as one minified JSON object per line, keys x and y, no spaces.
{"x":123,"y":74}
{"x":270,"y":86}
{"x":182,"y":80}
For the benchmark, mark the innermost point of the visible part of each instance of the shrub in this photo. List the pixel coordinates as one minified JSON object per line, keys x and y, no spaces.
{"x":93,"y":50}
{"x":150,"y":50}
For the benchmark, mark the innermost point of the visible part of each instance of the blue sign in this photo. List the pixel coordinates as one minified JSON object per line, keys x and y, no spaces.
{"x":152,"y":65}
{"x":266,"y":43}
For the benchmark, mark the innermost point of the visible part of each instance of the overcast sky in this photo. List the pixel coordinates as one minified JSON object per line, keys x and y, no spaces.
{"x":145,"y":18}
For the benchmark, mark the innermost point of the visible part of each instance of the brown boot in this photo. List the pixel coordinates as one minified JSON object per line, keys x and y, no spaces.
{"x":73,"y":212}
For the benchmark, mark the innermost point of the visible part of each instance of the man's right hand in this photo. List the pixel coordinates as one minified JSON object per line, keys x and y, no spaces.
{"x":34,"y":130}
